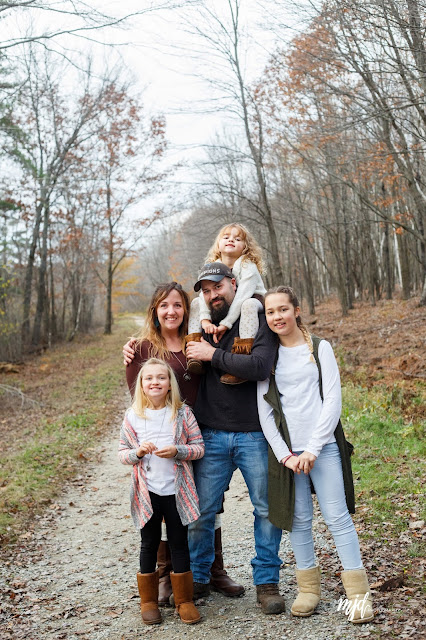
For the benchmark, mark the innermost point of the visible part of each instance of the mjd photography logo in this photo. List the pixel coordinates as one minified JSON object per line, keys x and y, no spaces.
{"x":350,"y":608}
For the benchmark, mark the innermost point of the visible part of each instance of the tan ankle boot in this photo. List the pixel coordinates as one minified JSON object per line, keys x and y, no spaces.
{"x":164,"y":565}
{"x":241,"y":345}
{"x":183,"y":590}
{"x":308,"y":582}
{"x":148,"y":591}
{"x":359,"y":607}
{"x":194,"y":365}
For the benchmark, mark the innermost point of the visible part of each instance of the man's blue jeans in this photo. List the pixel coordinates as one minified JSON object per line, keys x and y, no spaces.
{"x":225,"y":452}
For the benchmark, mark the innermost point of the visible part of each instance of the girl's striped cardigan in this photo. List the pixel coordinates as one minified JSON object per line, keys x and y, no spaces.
{"x":189,"y":443}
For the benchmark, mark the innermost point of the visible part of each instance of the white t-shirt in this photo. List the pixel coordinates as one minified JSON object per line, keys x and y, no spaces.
{"x":311,"y":422}
{"x":157,"y":428}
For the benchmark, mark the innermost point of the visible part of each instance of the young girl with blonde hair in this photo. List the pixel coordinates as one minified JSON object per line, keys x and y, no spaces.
{"x":159,"y":438}
{"x":299,"y":411}
{"x":236,"y":248}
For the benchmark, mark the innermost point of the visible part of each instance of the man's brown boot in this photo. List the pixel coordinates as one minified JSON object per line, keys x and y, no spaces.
{"x":270,"y":599}
{"x":148,"y":591}
{"x":194,"y":365}
{"x":164,"y":565}
{"x":220,"y":581}
{"x":183,"y":592}
{"x":241,"y":345}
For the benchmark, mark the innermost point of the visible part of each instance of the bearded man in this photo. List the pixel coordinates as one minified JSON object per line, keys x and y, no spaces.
{"x":228,"y":418}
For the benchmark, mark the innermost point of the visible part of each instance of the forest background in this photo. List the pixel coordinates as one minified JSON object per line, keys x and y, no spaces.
{"x":304,"y":120}
{"x":321,"y":154}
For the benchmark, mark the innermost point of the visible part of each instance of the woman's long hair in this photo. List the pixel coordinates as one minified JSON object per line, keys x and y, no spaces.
{"x":151,"y":331}
{"x":141,"y":402}
{"x":295,"y":302}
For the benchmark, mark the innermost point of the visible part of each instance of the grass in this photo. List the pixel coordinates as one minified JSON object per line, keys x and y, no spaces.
{"x":389,"y":454}
{"x":34,"y":469}
{"x":86,"y":387}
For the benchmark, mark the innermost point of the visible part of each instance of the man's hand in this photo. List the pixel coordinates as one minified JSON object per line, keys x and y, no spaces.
{"x":128,"y":351}
{"x":306,"y":461}
{"x":200,"y":350}
{"x":167,"y":452}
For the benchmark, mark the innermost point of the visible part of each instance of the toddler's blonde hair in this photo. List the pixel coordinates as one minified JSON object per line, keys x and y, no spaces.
{"x":251,"y":252}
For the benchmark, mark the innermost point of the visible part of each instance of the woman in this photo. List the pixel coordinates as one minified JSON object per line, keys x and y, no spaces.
{"x":299,"y":410}
{"x":163,"y":336}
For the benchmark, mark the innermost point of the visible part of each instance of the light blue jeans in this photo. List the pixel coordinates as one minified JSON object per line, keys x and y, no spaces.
{"x":225,"y":452}
{"x":327,"y":478}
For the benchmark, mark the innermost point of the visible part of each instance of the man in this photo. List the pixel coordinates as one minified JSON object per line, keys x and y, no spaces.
{"x":233,"y":439}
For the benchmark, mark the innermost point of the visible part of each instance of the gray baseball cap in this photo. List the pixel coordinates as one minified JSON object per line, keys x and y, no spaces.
{"x":214,"y":271}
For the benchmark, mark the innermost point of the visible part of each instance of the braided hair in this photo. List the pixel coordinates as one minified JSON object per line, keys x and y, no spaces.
{"x":289,"y":291}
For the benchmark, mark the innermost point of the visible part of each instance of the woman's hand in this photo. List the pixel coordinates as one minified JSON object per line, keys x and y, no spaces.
{"x":292,"y":463}
{"x":144,"y":448}
{"x":128,"y":351}
{"x":167,"y":452}
{"x":306,"y":461}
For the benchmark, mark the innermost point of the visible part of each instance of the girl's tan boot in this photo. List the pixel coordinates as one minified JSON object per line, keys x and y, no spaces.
{"x":309,"y":585}
{"x":183,"y":591}
{"x":148,"y":591}
{"x":360,"y":606}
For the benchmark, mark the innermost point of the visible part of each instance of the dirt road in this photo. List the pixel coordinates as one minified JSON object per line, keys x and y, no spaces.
{"x":79,"y":583}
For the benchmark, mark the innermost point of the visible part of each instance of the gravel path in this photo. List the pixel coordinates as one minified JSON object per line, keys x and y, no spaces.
{"x":81,"y":581}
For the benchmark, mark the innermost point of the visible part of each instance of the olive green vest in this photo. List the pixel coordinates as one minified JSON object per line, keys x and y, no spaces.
{"x":280,"y":478}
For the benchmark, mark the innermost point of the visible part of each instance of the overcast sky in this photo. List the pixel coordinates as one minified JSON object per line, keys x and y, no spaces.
{"x":171,"y":66}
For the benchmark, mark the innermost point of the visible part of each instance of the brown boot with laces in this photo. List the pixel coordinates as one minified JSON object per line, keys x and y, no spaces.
{"x":270,"y":599}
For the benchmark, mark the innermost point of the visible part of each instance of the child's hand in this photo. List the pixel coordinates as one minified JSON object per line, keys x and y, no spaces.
{"x":292,"y":463}
{"x":145,"y":448}
{"x":208,"y":326}
{"x":220,"y":330}
{"x":166,"y":452}
{"x":306,"y":461}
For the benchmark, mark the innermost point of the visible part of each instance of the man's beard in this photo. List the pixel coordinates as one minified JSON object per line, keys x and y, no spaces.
{"x":219,"y":312}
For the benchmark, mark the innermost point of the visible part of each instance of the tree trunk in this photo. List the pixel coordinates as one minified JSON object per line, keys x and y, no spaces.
{"x":41,"y":298}
{"x":108,"y":317}
{"x":405,"y":265}
{"x":26,"y":307}
{"x":387,"y":264}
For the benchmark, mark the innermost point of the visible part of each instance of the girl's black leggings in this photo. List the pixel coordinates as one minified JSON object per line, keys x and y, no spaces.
{"x":177,"y":534}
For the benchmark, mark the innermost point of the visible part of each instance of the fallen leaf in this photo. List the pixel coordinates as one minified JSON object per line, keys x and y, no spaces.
{"x":392,"y":584}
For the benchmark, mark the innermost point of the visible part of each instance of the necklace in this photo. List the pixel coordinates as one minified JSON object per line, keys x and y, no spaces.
{"x":186,"y":374}
{"x":148,"y":461}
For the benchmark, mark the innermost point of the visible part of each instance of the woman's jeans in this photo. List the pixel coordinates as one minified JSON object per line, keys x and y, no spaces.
{"x":225,"y":452}
{"x":327,"y":479}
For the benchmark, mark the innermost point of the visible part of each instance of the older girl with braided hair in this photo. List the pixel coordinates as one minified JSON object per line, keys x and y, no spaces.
{"x":299,"y":410}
